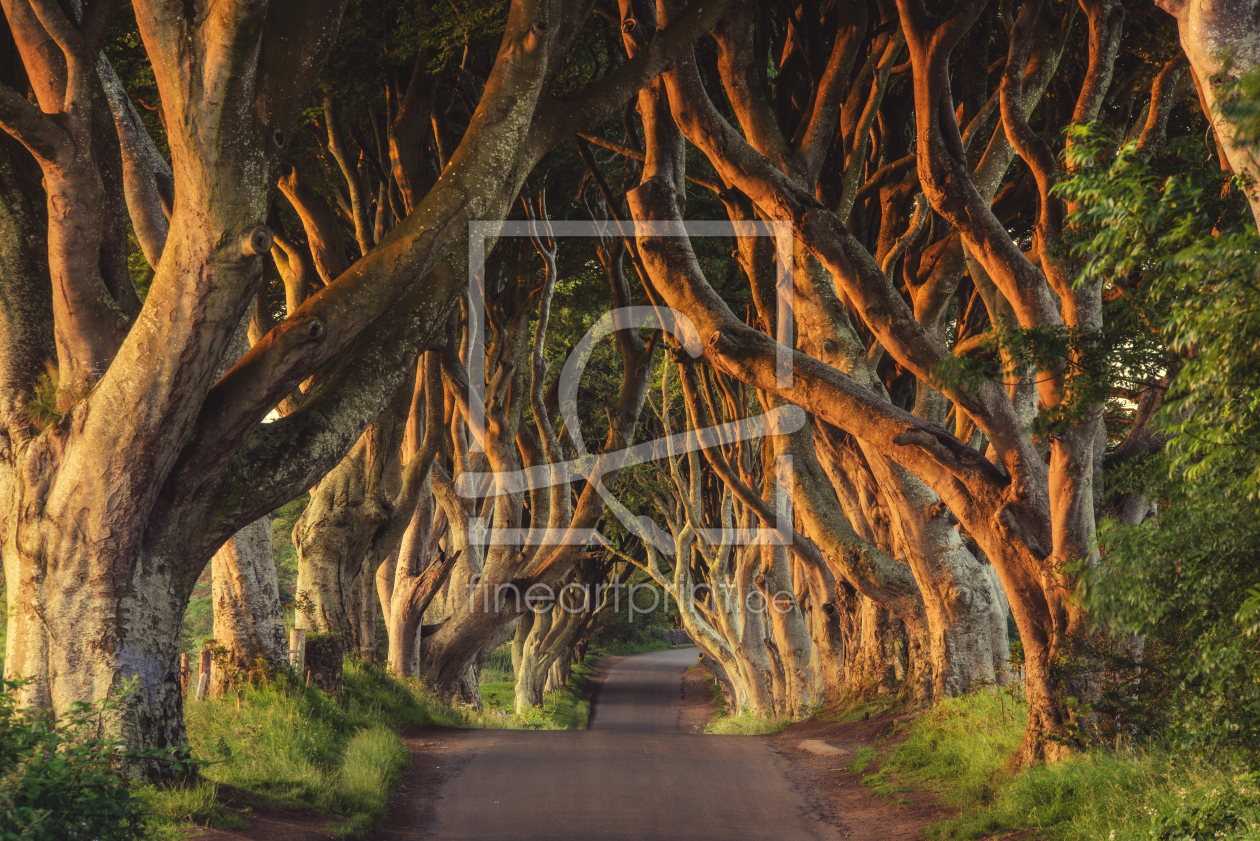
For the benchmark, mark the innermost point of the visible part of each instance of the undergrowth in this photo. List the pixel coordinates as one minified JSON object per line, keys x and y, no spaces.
{"x":294,"y":745}
{"x":726,"y":722}
{"x":565,"y":709}
{"x":962,"y":748}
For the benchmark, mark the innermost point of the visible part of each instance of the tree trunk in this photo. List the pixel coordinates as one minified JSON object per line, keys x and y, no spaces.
{"x":364,"y":616}
{"x":548,"y":644}
{"x":334,"y":533}
{"x":531,"y":672}
{"x":88,"y":643}
{"x":1222,"y":41}
{"x":248,"y":618}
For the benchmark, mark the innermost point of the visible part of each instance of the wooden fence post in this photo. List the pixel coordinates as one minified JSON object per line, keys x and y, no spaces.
{"x":184,"y":668}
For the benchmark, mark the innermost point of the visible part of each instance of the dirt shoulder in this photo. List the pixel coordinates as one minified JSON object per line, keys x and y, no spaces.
{"x":697,"y":702}
{"x":839,"y":796}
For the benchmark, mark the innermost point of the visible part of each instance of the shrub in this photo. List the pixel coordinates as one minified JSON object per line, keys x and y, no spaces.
{"x":58,"y":779}
{"x":963,"y":746}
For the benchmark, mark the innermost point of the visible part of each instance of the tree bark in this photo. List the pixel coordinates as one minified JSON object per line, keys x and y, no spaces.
{"x":1222,"y":42}
{"x":248,"y":617}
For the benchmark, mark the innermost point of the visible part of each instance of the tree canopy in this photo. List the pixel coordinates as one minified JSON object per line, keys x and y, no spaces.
{"x":986,"y":291}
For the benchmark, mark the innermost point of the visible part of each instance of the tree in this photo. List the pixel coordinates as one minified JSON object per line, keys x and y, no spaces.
{"x":1222,"y":42}
{"x":1027,"y":499}
{"x":116,"y":505}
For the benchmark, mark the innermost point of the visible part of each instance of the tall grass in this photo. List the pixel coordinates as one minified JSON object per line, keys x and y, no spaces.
{"x":293,"y":745}
{"x":962,"y":749}
{"x":565,"y":709}
{"x":497,"y":667}
{"x":746,"y":724}
{"x":726,"y":722}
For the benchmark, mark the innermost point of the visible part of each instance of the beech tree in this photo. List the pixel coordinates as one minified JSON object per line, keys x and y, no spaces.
{"x":1027,"y":493}
{"x":1222,"y":43}
{"x":151,"y":463}
{"x":950,"y":361}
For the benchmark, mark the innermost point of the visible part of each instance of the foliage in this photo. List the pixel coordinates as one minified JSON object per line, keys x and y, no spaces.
{"x":1093,"y":363}
{"x":1217,"y":816}
{"x":1181,"y":581}
{"x":1177,"y":240}
{"x":622,"y":648}
{"x":1174,"y":237}
{"x":198,"y":617}
{"x":497,"y":667}
{"x":285,"y":553}
{"x":58,"y":778}
{"x":962,"y":748}
{"x":623,"y":631}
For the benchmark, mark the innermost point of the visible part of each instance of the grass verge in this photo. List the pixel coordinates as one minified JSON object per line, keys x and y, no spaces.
{"x":294,"y":746}
{"x":566,"y":709}
{"x":961,"y":749}
{"x":726,"y":723}
{"x":745,"y":724}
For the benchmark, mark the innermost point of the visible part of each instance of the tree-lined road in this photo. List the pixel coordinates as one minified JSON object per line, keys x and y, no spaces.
{"x":632,"y":776}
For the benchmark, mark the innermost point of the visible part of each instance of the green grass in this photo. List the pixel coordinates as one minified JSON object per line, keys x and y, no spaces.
{"x":499,"y":696}
{"x":622,"y":649}
{"x":869,"y":708}
{"x":726,"y":723}
{"x":291,"y":745}
{"x":863,"y":758}
{"x":962,"y":747}
{"x":564,"y":710}
{"x":170,"y":809}
{"x":745,"y":724}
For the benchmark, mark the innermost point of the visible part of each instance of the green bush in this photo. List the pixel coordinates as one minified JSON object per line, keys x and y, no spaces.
{"x":58,"y":778}
{"x":962,"y":749}
{"x":1219,"y":816}
{"x":1176,"y":233}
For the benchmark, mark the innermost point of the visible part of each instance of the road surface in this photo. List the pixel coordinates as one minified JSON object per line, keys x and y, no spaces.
{"x":631,"y":777}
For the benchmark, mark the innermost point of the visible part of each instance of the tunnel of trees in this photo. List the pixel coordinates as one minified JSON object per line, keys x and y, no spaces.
{"x":1018,"y":242}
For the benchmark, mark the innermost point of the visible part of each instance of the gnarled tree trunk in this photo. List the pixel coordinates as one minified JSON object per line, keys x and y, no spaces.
{"x":248,"y":616}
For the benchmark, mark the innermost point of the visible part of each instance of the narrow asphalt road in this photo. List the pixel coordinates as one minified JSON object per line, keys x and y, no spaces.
{"x":631,"y":777}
